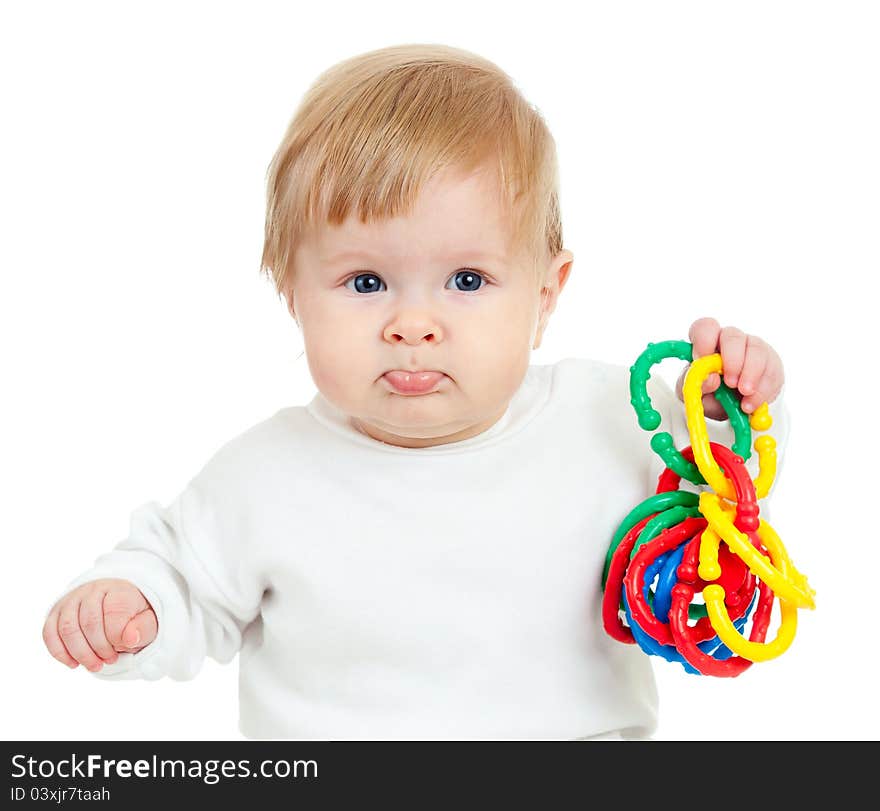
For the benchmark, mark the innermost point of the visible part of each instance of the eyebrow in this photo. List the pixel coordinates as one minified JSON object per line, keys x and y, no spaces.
{"x":350,"y":255}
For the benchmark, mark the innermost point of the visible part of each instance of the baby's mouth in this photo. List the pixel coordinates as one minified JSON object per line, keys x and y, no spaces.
{"x":407,"y":382}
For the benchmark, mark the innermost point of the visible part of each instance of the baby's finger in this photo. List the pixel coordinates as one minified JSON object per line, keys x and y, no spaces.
{"x":121,"y":604}
{"x":753,"y":366}
{"x":141,"y":631}
{"x":53,"y":642}
{"x":733,"y":344}
{"x":709,"y":384}
{"x":765,"y":391}
{"x":703,"y":335}
{"x":91,"y":621}
{"x":74,"y":640}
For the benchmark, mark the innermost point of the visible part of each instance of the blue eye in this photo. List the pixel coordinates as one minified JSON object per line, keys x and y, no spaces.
{"x":364,"y":286}
{"x":370,"y":282}
{"x":469,"y":278}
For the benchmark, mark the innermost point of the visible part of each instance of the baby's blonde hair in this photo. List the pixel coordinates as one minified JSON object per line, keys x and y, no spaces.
{"x":373,"y":129}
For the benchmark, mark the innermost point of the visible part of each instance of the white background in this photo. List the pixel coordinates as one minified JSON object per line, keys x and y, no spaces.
{"x":716,"y":159}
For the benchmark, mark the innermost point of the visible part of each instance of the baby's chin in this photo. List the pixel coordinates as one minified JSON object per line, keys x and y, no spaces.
{"x":416,"y":433}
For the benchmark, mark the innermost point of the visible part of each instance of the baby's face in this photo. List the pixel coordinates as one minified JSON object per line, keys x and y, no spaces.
{"x":436,"y":291}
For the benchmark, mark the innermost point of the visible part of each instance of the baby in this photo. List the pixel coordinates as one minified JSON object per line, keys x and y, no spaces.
{"x":417,"y":553}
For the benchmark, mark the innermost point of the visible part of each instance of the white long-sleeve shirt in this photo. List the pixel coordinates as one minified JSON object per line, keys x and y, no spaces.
{"x":380,"y":592}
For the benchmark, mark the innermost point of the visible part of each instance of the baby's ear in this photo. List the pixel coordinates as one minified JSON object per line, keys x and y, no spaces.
{"x":288,"y":298}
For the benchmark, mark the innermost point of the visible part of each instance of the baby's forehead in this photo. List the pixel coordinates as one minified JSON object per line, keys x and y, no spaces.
{"x":456,"y":215}
{"x":455,"y":197}
{"x":441,"y":236}
{"x":388,"y":240}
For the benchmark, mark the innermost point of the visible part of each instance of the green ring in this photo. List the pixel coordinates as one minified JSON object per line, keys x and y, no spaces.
{"x":653,"y":504}
{"x":649,"y":418}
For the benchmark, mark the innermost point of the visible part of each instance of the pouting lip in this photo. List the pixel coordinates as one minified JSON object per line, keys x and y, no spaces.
{"x":414,"y":371}
{"x":407,"y":390}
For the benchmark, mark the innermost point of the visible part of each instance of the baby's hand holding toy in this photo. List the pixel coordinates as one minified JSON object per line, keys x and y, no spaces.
{"x":693,"y":577}
{"x":751,"y":366}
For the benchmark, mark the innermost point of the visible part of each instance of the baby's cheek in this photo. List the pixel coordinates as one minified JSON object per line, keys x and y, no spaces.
{"x":325,"y":375}
{"x":337,"y":370}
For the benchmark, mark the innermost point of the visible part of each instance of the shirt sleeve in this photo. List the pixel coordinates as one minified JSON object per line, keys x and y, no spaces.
{"x":720,"y":431}
{"x":183,"y":560}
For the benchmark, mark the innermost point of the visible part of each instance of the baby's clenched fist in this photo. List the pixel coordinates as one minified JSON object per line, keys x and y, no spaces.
{"x":97,"y":621}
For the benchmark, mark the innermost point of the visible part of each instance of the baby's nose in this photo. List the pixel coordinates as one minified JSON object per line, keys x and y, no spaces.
{"x":413,"y":329}
{"x":409,"y":337}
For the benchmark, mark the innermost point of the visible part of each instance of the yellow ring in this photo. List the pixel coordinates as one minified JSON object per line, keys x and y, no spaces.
{"x":787,"y":583}
{"x":713,"y":595}
{"x":692,"y":392}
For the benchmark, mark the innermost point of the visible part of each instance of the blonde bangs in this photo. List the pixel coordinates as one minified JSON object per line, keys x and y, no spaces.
{"x":374,"y":129}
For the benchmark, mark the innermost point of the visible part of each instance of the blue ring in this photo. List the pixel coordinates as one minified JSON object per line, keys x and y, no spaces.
{"x":661,"y":602}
